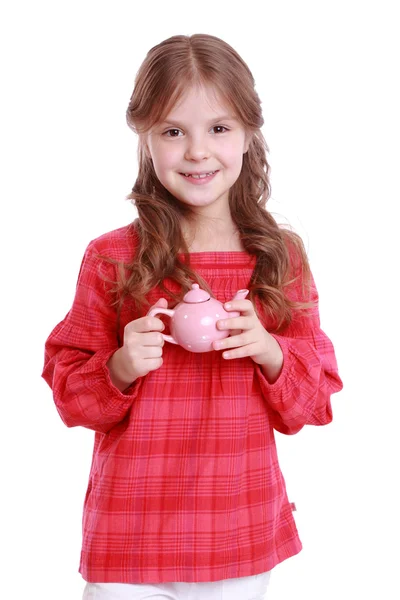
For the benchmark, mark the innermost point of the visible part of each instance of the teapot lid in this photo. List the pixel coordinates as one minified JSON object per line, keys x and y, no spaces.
{"x":196,"y":295}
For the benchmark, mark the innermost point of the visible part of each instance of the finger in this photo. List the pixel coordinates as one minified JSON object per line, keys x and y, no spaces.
{"x":136,"y":354}
{"x":150,"y":352}
{"x":235,"y":323}
{"x":243,"y":306}
{"x":153,"y":364}
{"x":161,"y":303}
{"x":242,"y":352}
{"x":152,"y":338}
{"x":145,"y":324}
{"x":234,"y":341}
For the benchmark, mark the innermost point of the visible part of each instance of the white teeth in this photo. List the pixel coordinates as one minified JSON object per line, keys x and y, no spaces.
{"x":199,"y":176}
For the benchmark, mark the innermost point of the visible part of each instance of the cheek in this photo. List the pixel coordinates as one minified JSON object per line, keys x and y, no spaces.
{"x":234,"y":160}
{"x":233,"y":153}
{"x":166,"y":160}
{"x":161,"y":167}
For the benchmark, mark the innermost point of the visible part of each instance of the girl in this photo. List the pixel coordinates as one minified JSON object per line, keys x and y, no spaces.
{"x":185,"y":496}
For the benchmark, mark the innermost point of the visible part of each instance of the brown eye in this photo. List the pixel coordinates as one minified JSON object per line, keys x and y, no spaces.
{"x":174,"y":131}
{"x":220,"y":127}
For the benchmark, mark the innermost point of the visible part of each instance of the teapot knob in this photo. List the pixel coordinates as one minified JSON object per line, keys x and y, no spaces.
{"x":196,"y":294}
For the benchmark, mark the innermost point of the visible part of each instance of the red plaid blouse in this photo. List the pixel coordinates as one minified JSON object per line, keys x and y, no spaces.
{"x":185,"y":483}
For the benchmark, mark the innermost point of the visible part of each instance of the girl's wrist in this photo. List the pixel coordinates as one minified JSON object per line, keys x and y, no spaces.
{"x":118,"y":374}
{"x":273,"y":364}
{"x":271,"y":372}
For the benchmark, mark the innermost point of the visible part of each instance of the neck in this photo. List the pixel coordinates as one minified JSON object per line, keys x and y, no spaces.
{"x":212,"y":235}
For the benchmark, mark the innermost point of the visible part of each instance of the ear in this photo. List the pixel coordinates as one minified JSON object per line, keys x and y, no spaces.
{"x":145,"y":147}
{"x":146,"y":150}
{"x":248,"y":138}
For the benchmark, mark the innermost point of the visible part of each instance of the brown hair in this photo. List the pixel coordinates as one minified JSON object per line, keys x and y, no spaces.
{"x":166,"y":73}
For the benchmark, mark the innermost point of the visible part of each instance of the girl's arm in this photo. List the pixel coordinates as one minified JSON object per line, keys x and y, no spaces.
{"x":308,"y":377}
{"x":78,"y":349}
{"x":297,"y":371}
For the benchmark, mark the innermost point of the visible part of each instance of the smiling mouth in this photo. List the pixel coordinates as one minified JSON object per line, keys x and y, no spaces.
{"x":199,"y":176}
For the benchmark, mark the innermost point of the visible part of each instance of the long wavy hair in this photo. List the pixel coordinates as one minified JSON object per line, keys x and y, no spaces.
{"x":164,"y":76}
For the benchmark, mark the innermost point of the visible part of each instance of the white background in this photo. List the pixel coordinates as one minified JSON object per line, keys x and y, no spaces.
{"x":328,"y":76}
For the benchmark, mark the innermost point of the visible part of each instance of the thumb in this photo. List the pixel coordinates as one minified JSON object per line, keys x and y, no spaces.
{"x":162,"y":303}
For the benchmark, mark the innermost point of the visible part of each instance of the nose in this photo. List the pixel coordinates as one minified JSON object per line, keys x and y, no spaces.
{"x":197,"y":148}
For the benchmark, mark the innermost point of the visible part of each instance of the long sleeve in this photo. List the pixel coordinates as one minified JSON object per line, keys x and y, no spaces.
{"x":301,"y":395}
{"x":77,"y":350}
{"x":193,"y":466}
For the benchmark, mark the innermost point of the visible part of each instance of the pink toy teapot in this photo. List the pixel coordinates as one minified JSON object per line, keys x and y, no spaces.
{"x":193,"y":321}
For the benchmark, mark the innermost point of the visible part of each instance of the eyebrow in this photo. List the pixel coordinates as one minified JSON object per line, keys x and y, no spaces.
{"x":219,"y":118}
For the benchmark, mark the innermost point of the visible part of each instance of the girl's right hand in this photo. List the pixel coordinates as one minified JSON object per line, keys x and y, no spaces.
{"x":141,"y":351}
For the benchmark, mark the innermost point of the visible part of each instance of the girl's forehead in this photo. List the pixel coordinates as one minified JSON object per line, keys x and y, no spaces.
{"x":206,"y":100}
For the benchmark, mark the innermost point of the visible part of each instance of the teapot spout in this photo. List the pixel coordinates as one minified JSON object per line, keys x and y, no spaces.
{"x":240,"y":295}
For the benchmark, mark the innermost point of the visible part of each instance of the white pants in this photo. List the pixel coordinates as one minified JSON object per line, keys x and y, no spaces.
{"x":241,"y":588}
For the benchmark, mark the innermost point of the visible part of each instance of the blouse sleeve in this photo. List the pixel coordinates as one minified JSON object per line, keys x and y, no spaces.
{"x":302,"y":393}
{"x":77,"y":350}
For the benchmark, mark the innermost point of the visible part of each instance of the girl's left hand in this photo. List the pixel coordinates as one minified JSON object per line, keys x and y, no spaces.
{"x":252,"y":340}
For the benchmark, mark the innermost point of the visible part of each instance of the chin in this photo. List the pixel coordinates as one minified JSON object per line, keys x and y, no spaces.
{"x":191,"y":199}
{"x":198,"y":204}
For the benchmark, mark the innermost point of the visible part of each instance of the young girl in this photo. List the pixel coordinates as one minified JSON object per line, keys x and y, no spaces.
{"x":185,"y":496}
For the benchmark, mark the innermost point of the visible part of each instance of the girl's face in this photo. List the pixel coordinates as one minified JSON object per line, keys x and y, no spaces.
{"x":200,"y":136}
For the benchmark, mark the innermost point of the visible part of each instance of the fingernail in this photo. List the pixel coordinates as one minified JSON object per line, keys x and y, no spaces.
{"x":228,"y":305}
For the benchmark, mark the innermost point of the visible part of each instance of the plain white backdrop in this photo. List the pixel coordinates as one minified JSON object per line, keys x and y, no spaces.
{"x":328,"y":76}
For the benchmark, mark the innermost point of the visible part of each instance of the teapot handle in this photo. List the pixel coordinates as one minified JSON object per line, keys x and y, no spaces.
{"x":165,"y":311}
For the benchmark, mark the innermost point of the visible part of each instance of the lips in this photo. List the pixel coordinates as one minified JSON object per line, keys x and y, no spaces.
{"x":201,"y":175}
{"x":199,"y":178}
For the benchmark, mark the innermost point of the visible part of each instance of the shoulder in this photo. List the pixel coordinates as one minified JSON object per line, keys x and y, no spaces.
{"x":294,"y":245}
{"x":104,"y":253}
{"x":118,"y":244}
{"x":299,"y":279}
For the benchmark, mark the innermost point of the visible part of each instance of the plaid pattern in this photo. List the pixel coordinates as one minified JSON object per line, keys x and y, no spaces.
{"x":185,"y":483}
